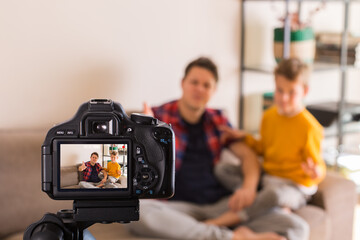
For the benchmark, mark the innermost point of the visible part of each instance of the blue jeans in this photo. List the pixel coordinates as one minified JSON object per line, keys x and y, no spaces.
{"x":87,"y":235}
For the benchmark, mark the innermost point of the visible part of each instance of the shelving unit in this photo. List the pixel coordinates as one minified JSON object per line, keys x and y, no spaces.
{"x":340,"y":109}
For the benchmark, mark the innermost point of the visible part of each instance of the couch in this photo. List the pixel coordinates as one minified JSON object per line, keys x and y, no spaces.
{"x":71,"y":178}
{"x":330,"y":213}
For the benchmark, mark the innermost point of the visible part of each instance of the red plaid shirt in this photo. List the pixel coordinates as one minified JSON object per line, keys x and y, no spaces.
{"x":87,"y":171}
{"x":169,"y":113}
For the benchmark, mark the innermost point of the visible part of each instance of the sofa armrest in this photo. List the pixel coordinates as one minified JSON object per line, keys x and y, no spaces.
{"x":123,"y":181}
{"x":337,"y":196}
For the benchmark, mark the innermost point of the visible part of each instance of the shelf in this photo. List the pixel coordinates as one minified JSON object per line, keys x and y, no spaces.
{"x":328,"y":112}
{"x":351,"y":127}
{"x":317,"y":67}
{"x":299,"y":0}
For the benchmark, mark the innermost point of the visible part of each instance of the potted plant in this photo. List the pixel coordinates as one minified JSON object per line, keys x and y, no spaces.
{"x":302,"y":37}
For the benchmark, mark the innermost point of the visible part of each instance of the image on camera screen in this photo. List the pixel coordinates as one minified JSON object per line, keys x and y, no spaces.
{"x":93,"y":166}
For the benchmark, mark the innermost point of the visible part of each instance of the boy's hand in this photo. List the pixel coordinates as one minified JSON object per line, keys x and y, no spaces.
{"x":243,"y":197}
{"x":147,"y":110}
{"x":119,"y":172}
{"x":311,"y":169}
{"x":229,"y":134}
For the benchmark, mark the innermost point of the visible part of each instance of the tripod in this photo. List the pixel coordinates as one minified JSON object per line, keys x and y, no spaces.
{"x":69,"y":224}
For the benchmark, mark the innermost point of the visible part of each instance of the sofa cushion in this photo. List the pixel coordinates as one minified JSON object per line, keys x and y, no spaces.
{"x":69,"y":177}
{"x":22,"y":201}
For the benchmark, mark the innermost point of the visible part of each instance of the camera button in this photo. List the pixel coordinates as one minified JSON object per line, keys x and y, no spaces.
{"x":145,"y":177}
{"x":156,"y":134}
{"x":138,"y":191}
{"x":60,"y":132}
{"x":70,"y":132}
{"x":138,"y":150}
{"x":140,"y":160}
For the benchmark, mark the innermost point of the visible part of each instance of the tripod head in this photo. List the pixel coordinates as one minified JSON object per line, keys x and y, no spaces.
{"x":69,"y":224}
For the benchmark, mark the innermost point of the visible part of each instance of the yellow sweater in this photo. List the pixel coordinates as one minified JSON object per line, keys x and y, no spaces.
{"x":286,"y":142}
{"x":112,"y":169}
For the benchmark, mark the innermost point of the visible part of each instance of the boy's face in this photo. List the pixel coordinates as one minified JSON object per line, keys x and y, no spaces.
{"x":113,"y":158}
{"x":198,"y":87}
{"x":93,"y":159}
{"x":289,"y":95}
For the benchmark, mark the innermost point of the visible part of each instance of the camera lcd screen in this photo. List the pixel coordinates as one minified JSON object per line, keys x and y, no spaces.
{"x":93,"y":166}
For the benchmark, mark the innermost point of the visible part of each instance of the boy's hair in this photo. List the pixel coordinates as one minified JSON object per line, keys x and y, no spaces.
{"x":203,"y":62}
{"x":114,"y":153}
{"x":94,"y":153}
{"x":292,"y":68}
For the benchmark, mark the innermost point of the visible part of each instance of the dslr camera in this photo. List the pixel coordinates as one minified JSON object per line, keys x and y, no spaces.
{"x":145,"y":147}
{"x":144,"y":156}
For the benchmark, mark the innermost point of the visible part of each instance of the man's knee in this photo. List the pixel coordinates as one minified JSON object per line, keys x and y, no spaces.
{"x":82,"y":184}
{"x":229,"y":175}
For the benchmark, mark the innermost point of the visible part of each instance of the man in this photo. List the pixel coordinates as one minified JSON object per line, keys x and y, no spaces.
{"x":198,"y":194}
{"x":91,"y":170}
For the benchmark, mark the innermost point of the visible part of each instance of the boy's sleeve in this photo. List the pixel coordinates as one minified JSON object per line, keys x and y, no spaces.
{"x":119,"y":168}
{"x":256,"y":144}
{"x":313,"y":150}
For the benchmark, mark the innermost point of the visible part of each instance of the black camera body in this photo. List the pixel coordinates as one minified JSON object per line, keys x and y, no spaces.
{"x":145,"y":145}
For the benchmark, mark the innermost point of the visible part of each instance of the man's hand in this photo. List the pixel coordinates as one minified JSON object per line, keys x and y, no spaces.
{"x":147,"y":110}
{"x":229,"y":134}
{"x":311,"y":169}
{"x":105,"y":176}
{"x":243,"y":197}
{"x":82,"y":167}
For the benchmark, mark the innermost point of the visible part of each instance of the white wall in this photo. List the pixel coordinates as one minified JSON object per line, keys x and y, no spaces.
{"x":73,"y":154}
{"x":55,"y":55}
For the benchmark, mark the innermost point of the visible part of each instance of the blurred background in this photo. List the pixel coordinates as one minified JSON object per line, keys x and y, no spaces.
{"x":55,"y":55}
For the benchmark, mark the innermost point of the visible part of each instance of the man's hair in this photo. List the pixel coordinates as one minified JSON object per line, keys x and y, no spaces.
{"x":94,"y":153}
{"x":114,"y":153}
{"x":292,"y":68}
{"x":203,"y":62}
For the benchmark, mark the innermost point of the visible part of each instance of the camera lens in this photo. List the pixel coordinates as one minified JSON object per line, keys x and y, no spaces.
{"x":100,"y":127}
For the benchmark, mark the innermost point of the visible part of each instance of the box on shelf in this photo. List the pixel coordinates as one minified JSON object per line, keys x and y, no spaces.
{"x":326,"y":113}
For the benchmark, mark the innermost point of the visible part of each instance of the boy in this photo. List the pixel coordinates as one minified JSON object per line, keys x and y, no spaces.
{"x":290,"y":144}
{"x":113,"y":169}
{"x":91,"y":170}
